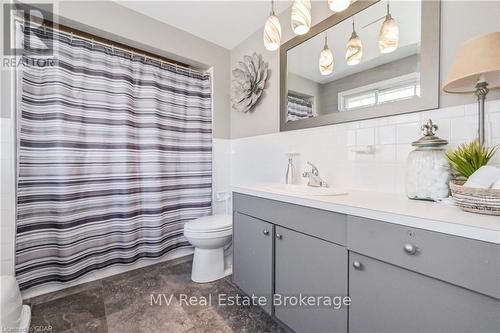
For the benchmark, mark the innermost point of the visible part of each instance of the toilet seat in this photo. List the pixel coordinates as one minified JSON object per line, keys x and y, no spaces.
{"x":208,"y":235}
{"x":210,"y":224}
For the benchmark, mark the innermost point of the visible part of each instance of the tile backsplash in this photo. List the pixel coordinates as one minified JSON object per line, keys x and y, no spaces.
{"x":7,"y":197}
{"x":339,"y":151}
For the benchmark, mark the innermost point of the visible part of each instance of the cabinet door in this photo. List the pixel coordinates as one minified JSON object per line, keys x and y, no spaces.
{"x":253,"y":257}
{"x":387,"y":298}
{"x":309,"y":266}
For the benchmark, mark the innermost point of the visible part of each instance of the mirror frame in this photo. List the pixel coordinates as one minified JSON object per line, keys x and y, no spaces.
{"x":429,"y":71}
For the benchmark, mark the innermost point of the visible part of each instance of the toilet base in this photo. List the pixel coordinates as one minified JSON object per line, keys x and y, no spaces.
{"x":208,"y":265}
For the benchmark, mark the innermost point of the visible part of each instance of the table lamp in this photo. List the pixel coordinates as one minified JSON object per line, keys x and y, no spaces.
{"x":476,"y":69}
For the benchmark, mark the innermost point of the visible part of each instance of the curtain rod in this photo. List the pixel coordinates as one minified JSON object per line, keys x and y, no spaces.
{"x":110,"y":44}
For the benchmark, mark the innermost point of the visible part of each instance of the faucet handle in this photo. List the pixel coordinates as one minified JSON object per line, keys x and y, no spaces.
{"x":314,"y":169}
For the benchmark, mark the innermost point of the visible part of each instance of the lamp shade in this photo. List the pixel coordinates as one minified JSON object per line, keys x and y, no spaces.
{"x":354,"y":51}
{"x":272,"y":33}
{"x":326,"y":61}
{"x":301,"y":16}
{"x":338,"y":5}
{"x":477,"y":59}
{"x":388,"y":39}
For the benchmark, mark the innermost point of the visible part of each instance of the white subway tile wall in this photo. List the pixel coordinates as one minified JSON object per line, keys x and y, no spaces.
{"x":332,"y":148}
{"x":386,"y":135}
{"x":7,"y":197}
{"x":365,"y":136}
{"x":221,"y":167}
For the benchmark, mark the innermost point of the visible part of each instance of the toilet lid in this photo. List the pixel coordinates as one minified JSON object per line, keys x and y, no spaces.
{"x":210,"y":223}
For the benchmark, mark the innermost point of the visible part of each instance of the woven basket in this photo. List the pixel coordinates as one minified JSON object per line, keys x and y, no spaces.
{"x":475,"y":200}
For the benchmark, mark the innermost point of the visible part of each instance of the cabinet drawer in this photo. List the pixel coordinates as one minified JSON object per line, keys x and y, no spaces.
{"x":315,"y":222}
{"x":468,"y":263}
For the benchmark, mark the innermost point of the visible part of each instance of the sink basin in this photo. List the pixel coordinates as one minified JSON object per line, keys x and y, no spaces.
{"x":306,"y":190}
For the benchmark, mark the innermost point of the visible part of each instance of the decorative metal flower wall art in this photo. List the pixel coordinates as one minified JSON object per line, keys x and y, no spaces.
{"x":249,"y":81}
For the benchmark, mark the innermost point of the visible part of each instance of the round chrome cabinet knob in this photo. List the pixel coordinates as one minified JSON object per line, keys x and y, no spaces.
{"x":265,"y":232}
{"x":410,"y":249}
{"x":357,"y":265}
{"x":279,"y":236}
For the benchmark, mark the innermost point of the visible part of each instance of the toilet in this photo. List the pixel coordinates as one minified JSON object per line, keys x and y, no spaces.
{"x":209,"y":235}
{"x":14,"y":316}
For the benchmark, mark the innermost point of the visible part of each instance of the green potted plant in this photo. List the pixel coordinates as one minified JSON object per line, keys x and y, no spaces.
{"x":465,"y":160}
{"x":469,"y":157}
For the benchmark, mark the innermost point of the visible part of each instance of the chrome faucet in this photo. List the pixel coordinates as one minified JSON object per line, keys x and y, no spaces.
{"x":314,"y":178}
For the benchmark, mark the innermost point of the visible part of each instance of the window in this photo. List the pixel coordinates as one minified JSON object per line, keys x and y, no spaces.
{"x":396,"y":89}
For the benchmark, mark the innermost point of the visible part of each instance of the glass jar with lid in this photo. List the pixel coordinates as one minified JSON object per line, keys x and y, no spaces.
{"x":428,"y":171}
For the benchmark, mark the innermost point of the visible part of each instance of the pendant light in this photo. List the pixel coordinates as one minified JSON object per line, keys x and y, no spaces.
{"x":326,"y":59}
{"x":388,"y":39}
{"x":338,"y":5}
{"x":354,"y":51}
{"x":272,"y":31}
{"x":301,"y":16}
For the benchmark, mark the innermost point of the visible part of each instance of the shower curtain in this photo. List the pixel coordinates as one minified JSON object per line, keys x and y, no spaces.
{"x":114,"y":155}
{"x":299,"y":107}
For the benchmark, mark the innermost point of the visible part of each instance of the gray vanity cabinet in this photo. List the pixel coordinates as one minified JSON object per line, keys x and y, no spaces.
{"x":387,"y":298}
{"x":253,"y":257}
{"x":400,"y":279}
{"x":309,"y":266}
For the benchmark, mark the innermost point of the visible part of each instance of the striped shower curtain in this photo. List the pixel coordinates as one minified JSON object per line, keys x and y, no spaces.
{"x":299,"y":107}
{"x":114,"y":155}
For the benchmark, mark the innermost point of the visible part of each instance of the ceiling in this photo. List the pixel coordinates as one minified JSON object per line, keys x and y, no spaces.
{"x":303,"y":61}
{"x":225,"y":23}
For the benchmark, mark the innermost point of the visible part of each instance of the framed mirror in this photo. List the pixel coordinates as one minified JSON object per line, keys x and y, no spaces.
{"x":385,"y":62}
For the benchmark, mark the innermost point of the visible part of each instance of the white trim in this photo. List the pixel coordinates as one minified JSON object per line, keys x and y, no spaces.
{"x":384,"y":84}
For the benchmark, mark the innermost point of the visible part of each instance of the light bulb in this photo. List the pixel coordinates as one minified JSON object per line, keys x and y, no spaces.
{"x":272,"y":33}
{"x":326,"y":60}
{"x":338,"y":5}
{"x":301,"y":16}
{"x":388,"y":39}
{"x":354,"y":50}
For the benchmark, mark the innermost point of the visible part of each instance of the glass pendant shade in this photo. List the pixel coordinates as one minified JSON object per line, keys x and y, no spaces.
{"x":338,"y":5}
{"x":326,"y":60}
{"x":388,"y":39}
{"x":354,"y":51}
{"x":301,"y":16}
{"x":272,"y":33}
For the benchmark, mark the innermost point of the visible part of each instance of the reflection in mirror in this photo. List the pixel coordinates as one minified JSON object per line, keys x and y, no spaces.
{"x":376,"y":60}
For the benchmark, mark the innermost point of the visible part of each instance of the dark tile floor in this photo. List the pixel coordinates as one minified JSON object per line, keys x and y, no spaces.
{"x":122,"y":304}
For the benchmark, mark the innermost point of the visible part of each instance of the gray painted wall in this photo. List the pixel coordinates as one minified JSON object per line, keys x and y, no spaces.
{"x":305,"y":86}
{"x":110,"y":20}
{"x":460,"y":21}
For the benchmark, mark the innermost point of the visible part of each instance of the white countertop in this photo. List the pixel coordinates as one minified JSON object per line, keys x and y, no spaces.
{"x":393,"y":208}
